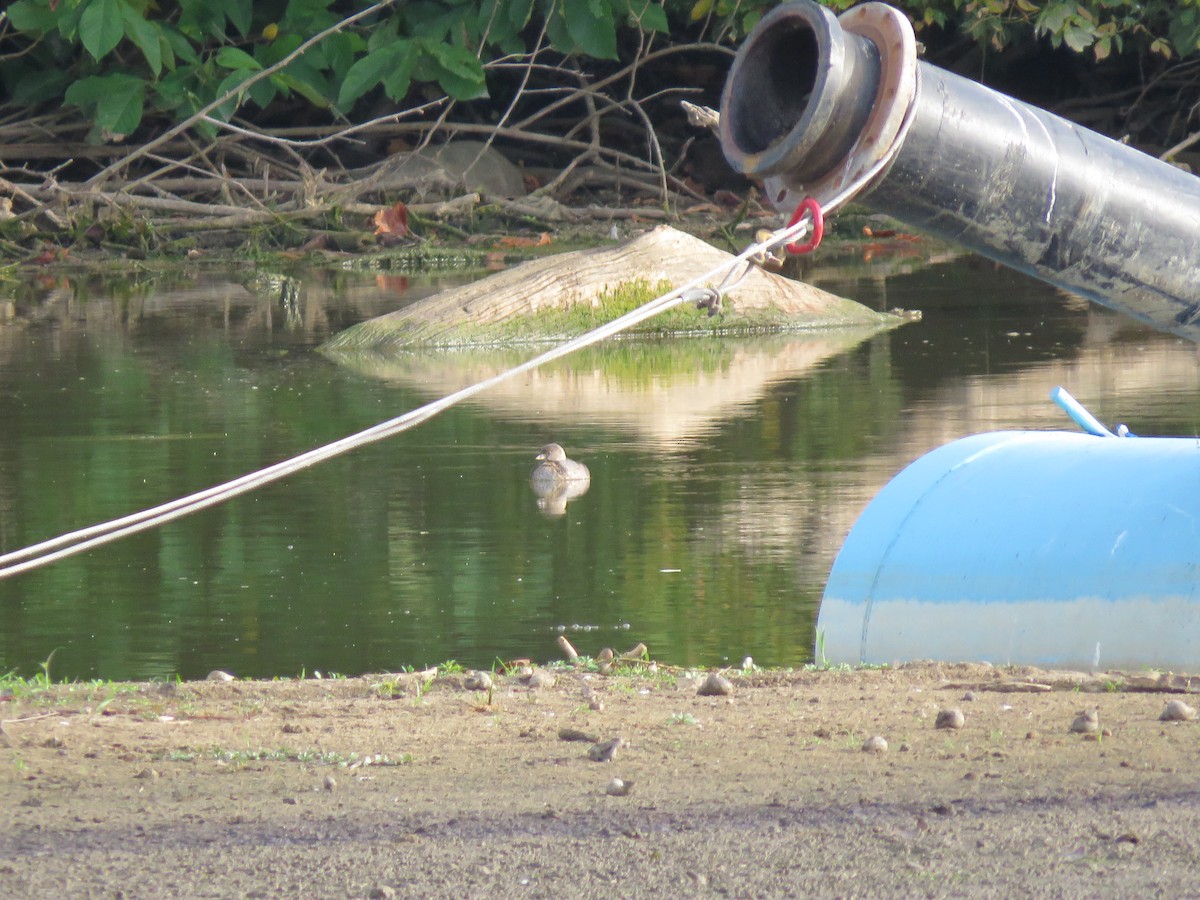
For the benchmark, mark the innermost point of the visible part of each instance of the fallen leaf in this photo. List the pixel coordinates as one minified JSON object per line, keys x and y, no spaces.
{"x":49,"y":255}
{"x":391,"y":224}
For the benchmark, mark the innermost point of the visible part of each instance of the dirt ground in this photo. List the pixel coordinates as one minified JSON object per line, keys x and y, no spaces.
{"x":410,"y":785}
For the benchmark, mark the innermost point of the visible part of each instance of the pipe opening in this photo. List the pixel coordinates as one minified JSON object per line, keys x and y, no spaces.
{"x":783,"y":71}
{"x":798,"y":94}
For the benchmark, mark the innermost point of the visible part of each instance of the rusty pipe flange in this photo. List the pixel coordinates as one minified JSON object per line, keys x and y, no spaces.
{"x":885,"y":129}
{"x":815,"y":103}
{"x":798,"y":93}
{"x":892,"y":34}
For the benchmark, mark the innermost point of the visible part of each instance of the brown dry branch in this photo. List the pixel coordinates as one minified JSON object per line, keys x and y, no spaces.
{"x":204,"y":112}
{"x":300,"y":179}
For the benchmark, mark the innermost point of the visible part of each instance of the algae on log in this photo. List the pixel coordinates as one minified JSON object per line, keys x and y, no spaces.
{"x":561,"y":296}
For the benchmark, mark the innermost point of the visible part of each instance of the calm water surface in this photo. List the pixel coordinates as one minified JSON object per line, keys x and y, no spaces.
{"x":725,"y":473}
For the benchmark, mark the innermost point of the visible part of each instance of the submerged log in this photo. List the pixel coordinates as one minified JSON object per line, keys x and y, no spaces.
{"x":561,"y":296}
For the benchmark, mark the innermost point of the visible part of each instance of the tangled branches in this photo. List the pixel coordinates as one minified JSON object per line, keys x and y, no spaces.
{"x":555,"y":143}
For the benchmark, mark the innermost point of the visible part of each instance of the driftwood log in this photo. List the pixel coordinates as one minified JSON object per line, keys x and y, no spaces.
{"x":533,"y":301}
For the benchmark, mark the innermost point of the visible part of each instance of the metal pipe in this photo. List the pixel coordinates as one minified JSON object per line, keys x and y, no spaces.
{"x":813,"y":101}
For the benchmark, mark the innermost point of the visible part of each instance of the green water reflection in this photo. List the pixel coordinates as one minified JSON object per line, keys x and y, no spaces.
{"x":724,"y":474}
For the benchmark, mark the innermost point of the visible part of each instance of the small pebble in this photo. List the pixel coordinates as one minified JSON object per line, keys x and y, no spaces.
{"x":605,"y":750}
{"x":540,"y":678}
{"x":875,"y":744}
{"x":383,"y":892}
{"x":1177,"y":711}
{"x":950,"y":718}
{"x":618,"y":788}
{"x":1087,"y":722}
{"x":330,"y":783}
{"x":478,"y":681}
{"x":218,"y":675}
{"x":969,"y":697}
{"x":604,"y":655}
{"x":715,"y":685}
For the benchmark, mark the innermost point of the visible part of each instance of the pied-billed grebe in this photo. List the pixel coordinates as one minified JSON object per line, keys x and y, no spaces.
{"x":554,"y":468}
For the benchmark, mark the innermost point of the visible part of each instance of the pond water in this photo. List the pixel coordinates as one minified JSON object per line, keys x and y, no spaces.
{"x":725,"y":472}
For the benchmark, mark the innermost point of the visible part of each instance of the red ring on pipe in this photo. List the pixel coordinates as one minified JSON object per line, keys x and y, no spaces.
{"x":809,"y":205}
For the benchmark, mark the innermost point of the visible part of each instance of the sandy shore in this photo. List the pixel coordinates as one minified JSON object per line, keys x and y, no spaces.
{"x":403,"y":785}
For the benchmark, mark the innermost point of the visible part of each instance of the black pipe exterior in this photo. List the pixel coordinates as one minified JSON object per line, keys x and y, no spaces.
{"x":1008,"y":180}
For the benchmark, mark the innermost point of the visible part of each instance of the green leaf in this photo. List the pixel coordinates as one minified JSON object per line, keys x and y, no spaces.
{"x":519,"y":12}
{"x":115,"y":100}
{"x":87,"y":92}
{"x":306,"y":82}
{"x":146,"y":36}
{"x":178,"y":45}
{"x":32,"y":86}
{"x":230,"y":83}
{"x":457,"y":70}
{"x":458,"y":61}
{"x":307,"y":16}
{"x":26,"y":15}
{"x":1054,"y":16}
{"x":431,"y":20}
{"x":1078,"y":37}
{"x":399,"y":81}
{"x":269,"y":54}
{"x":121,"y":111}
{"x":173,"y":90}
{"x":339,"y":50}
{"x":263,"y":91}
{"x":101,"y":27}
{"x":371,"y":70}
{"x":233,"y":58}
{"x":556,"y":30}
{"x":238,"y":12}
{"x":650,"y":16}
{"x":591,"y":26}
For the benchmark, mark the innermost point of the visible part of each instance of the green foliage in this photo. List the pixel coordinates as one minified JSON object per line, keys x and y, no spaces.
{"x":121,"y":60}
{"x":1098,"y":27}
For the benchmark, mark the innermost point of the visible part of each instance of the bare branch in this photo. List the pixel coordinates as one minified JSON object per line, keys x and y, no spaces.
{"x":258,"y":76}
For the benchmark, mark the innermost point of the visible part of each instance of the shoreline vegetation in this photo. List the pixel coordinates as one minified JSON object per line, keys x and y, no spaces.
{"x":138,"y":131}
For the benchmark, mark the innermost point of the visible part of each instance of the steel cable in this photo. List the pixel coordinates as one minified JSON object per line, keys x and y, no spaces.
{"x":81,"y":540}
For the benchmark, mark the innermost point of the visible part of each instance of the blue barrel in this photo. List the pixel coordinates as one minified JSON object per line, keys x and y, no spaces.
{"x":1043,"y":548}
